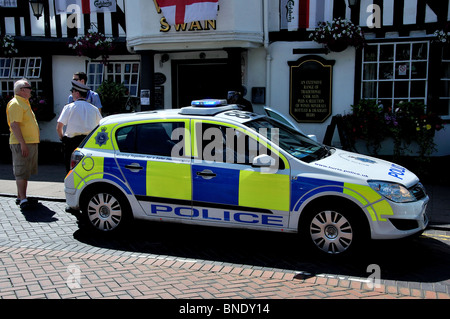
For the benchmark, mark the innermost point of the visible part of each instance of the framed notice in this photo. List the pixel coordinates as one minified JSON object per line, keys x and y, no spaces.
{"x":145,"y":97}
{"x":310,"y":87}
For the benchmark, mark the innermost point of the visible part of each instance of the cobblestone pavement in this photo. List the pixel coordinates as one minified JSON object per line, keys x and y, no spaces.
{"x":44,"y":254}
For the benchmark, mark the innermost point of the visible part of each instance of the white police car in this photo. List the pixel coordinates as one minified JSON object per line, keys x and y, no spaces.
{"x":213,"y":164}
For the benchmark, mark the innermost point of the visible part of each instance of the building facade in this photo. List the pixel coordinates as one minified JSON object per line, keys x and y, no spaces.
{"x":257,"y":44}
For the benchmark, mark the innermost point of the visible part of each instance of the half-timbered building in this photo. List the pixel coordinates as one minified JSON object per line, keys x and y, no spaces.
{"x":253,"y":43}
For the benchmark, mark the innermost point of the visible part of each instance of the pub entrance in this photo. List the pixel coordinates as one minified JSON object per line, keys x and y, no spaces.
{"x":200,"y":79}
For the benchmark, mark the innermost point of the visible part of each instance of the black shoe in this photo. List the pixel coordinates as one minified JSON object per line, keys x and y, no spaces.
{"x":25,"y":205}
{"x":32,"y":201}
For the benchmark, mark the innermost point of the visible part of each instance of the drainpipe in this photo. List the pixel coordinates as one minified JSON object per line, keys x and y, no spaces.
{"x":266,"y":47}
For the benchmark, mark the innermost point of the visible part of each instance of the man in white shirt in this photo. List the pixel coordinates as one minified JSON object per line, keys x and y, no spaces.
{"x":79,"y":117}
{"x":91,"y":96}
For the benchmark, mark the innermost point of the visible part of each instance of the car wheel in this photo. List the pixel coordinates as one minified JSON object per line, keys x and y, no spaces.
{"x":332,"y":230}
{"x":105,"y":210}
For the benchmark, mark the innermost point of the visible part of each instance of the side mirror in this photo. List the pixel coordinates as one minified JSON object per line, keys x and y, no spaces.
{"x":263,"y":160}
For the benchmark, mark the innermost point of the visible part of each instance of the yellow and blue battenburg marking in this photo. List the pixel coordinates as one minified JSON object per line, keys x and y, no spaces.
{"x":304,"y":188}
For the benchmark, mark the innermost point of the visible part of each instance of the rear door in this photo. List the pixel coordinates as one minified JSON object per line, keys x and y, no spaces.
{"x":156,"y":164}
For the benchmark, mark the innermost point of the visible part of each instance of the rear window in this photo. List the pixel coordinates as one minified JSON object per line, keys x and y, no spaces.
{"x":148,"y":138}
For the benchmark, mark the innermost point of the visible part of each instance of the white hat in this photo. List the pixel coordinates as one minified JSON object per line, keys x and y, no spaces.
{"x":79,"y":86}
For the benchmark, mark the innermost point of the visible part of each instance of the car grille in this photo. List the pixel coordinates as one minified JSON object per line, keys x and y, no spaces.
{"x":418,"y":191}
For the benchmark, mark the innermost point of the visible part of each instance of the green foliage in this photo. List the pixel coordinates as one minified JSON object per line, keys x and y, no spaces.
{"x":113,"y":96}
{"x":408,"y":122}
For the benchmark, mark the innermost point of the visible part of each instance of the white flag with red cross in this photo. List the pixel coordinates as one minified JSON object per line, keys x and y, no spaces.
{"x":185,"y":11}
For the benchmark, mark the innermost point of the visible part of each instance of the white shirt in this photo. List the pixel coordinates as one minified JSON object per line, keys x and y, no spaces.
{"x":79,"y":117}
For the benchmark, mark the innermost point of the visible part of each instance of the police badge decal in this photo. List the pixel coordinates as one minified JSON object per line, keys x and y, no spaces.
{"x":102,"y":137}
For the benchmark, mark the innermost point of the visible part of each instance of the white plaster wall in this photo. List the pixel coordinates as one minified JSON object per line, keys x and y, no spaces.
{"x":281,"y":53}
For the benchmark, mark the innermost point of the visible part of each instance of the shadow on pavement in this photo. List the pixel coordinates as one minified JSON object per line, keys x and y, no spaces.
{"x":39,"y":214}
{"x":421,"y":259}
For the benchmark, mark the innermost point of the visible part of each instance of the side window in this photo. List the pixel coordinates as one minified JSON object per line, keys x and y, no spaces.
{"x":126,"y":139}
{"x":223,"y":144}
{"x":149,"y":138}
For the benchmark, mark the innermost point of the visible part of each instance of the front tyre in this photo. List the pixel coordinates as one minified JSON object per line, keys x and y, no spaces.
{"x":332,"y":230}
{"x":106,"y":210}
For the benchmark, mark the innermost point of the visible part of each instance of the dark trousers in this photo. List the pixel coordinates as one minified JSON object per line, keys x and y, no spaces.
{"x":69,"y":145}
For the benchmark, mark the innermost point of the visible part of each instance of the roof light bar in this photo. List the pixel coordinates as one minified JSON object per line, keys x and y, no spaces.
{"x":209,"y":102}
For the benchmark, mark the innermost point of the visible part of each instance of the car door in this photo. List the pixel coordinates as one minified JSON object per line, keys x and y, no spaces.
{"x":226,"y":188}
{"x":283,"y":119}
{"x":156,"y":168}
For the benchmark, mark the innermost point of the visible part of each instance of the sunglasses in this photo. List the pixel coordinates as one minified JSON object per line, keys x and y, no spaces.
{"x":27,"y":87}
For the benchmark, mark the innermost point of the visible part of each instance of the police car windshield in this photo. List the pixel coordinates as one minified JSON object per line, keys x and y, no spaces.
{"x":290,"y":140}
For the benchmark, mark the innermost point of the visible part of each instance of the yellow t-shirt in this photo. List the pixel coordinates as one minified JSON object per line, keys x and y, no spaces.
{"x":19,"y":110}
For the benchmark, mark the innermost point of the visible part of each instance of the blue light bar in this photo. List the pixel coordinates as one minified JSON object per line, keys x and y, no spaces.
{"x":209,"y":102}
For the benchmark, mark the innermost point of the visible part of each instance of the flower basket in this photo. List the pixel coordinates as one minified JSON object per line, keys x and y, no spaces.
{"x":337,"y":46}
{"x":442,"y":37}
{"x":7,"y":47}
{"x":93,"y":45}
{"x":338,"y":35}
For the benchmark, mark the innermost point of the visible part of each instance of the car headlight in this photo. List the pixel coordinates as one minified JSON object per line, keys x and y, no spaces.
{"x":393,"y":191}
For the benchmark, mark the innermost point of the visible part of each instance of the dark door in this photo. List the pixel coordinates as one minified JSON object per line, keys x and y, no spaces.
{"x":199,"y":80}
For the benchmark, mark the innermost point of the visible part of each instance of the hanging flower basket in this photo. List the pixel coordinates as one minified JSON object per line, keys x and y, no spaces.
{"x":7,"y":47}
{"x":337,"y":46}
{"x":93,"y":45}
{"x":338,"y":35}
{"x":442,"y":37}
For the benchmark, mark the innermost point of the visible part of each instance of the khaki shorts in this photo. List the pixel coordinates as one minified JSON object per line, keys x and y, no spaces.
{"x":24,"y":167}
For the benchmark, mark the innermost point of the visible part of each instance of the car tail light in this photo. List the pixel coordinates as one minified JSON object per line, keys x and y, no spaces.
{"x":75,"y":158}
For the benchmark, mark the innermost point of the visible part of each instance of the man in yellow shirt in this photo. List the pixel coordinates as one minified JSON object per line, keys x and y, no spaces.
{"x":23,"y":140}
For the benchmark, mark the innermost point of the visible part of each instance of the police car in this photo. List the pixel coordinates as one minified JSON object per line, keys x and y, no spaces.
{"x":213,"y":164}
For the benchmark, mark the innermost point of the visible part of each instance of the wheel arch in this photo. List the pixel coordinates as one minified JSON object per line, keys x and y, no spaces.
{"x":355,"y":210}
{"x":104,"y":186}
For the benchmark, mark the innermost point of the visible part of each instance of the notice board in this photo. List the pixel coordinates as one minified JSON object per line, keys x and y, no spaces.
{"x":310,"y":89}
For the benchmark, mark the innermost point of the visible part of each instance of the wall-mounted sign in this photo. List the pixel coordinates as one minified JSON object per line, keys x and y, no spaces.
{"x":145,"y":97}
{"x":310,"y":89}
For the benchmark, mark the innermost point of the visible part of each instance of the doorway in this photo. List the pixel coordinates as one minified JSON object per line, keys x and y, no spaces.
{"x":198,"y":79}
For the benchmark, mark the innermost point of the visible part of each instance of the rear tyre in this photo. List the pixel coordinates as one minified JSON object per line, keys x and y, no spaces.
{"x":106,"y":210}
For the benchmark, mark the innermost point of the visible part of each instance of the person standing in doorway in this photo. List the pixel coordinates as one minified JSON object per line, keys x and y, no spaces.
{"x":80,"y":118}
{"x":91,"y":96}
{"x":24,"y":140}
{"x":237,"y":97}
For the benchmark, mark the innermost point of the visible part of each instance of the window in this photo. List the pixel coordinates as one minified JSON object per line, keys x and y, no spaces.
{"x":149,"y":138}
{"x":394,"y":72}
{"x":222,"y":144}
{"x":95,"y":75}
{"x":5,"y":68}
{"x":444,"y":96}
{"x":13,"y":69}
{"x":120,"y":72}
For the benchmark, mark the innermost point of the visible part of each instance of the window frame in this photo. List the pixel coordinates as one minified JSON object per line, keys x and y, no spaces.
{"x":445,"y":81}
{"x":14,"y":74}
{"x":105,"y":74}
{"x":395,"y":80}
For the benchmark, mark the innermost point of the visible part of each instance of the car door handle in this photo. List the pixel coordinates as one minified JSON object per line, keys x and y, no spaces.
{"x":134,"y":166}
{"x":206,"y":174}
